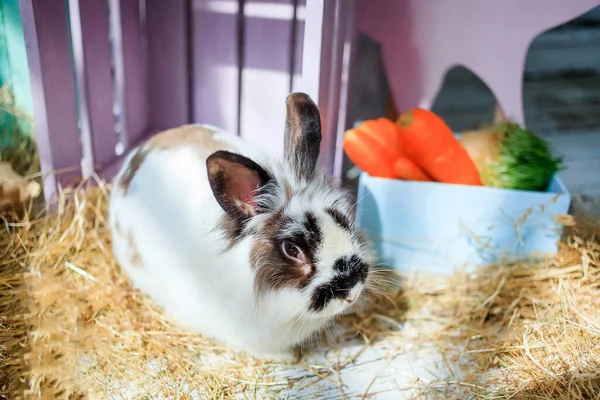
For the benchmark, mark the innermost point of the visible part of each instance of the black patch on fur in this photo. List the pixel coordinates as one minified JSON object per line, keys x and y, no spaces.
{"x":340,"y":219}
{"x":352,"y":266}
{"x":308,"y":238}
{"x":349,"y":271}
{"x":302,"y":134}
{"x":313,"y":231}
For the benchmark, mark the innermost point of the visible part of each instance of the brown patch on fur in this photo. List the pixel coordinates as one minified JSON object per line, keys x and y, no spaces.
{"x":134,"y":164}
{"x":288,"y":190}
{"x":186,"y":136}
{"x":136,"y":259}
{"x":231,"y":228}
{"x":183,"y":136}
{"x":273,"y":269}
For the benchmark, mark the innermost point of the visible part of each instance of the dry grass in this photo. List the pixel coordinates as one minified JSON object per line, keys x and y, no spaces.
{"x":72,"y":325}
{"x":520,"y":331}
{"x":87,"y":330}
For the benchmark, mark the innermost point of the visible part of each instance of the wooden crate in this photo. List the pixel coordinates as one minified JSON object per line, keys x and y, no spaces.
{"x":231,"y":63}
{"x":106,"y":74}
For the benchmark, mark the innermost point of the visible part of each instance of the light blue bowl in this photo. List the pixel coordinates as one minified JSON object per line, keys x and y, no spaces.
{"x":434,"y":227}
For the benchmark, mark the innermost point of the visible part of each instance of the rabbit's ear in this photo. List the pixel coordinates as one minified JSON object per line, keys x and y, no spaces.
{"x":302,"y":133}
{"x":234,"y":180}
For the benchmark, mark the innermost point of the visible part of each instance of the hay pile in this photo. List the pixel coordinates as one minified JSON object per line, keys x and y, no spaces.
{"x":85,"y":331}
{"x":519,"y":331}
{"x":71,"y":325}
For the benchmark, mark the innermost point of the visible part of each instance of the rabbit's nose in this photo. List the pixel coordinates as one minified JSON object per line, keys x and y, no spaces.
{"x":353,"y":294}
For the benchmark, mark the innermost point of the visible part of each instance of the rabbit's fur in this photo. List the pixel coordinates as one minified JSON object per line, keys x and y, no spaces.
{"x":257,"y":253}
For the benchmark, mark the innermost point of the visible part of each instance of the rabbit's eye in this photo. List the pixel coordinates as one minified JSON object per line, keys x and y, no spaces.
{"x":293,"y":252}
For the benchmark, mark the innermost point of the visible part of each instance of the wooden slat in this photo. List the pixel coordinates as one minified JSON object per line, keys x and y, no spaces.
{"x":298,"y":41}
{"x":315,"y":37}
{"x":118,"y":64}
{"x":135,"y":70}
{"x":168,"y":62}
{"x":347,"y":54}
{"x":85,"y":134}
{"x":266,"y":72}
{"x":215,"y":34}
{"x":130,"y":71}
{"x":100,"y":95}
{"x":45,"y":27}
{"x":329,"y":32}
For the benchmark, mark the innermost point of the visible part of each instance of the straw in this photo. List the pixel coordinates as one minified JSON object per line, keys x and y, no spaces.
{"x":72,"y":325}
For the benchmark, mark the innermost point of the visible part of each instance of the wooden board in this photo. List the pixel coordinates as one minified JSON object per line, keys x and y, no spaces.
{"x":133,"y":83}
{"x":266,"y":72}
{"x":216,"y":63}
{"x":168,"y":51}
{"x":89,"y":22}
{"x":45,"y":28}
{"x":326,"y":74}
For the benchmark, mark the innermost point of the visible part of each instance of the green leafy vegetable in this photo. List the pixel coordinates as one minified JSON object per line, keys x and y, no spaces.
{"x":524,"y":161}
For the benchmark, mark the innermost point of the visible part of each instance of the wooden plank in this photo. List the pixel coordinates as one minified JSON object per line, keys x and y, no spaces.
{"x":329,"y":32}
{"x":581,"y":172}
{"x":297,"y":43}
{"x":135,"y":70}
{"x":98,"y":81}
{"x":130,"y":72}
{"x":348,"y":52}
{"x":216,"y":61}
{"x":85,"y":134}
{"x":266,"y":72}
{"x":46,"y":31}
{"x":169,"y":83}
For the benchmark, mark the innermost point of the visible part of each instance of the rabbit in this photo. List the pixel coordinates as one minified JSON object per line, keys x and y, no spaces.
{"x":256,"y":253}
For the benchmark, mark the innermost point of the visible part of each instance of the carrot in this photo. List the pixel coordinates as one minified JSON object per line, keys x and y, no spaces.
{"x":373,"y":147}
{"x":430,"y":143}
{"x":367,"y":155}
{"x":407,"y":170}
{"x":384,"y":132}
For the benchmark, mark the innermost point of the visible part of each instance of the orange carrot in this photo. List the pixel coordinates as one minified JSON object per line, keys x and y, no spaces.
{"x":430,"y":143}
{"x":373,"y":147}
{"x":384,"y":132}
{"x":405,"y":169}
{"x":368,"y":155}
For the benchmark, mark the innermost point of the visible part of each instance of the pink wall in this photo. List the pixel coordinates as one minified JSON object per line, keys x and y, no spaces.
{"x":422,"y":39}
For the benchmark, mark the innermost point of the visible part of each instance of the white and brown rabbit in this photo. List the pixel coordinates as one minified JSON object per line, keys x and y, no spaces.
{"x":252,"y":252}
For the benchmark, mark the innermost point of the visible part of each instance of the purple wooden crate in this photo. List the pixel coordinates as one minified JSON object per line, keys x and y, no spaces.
{"x":46,"y":32}
{"x":106,"y":74}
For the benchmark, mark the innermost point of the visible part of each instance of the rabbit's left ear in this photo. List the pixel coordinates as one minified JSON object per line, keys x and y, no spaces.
{"x":302,"y":133}
{"x":234,"y":180}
